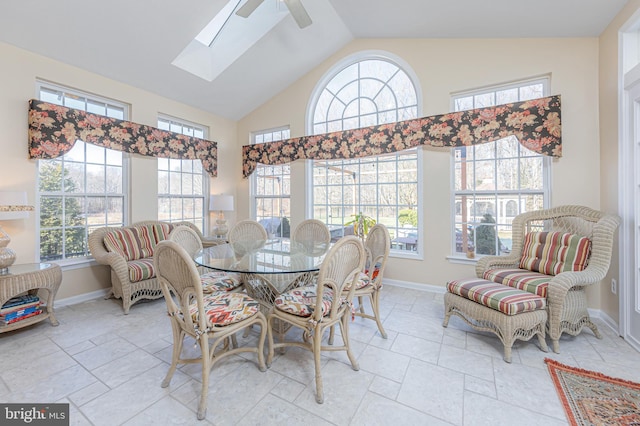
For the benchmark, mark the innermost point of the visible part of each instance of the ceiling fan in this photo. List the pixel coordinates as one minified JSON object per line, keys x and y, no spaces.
{"x":295,"y":7}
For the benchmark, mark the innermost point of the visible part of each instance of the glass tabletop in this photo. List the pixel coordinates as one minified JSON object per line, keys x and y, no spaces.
{"x":274,"y":256}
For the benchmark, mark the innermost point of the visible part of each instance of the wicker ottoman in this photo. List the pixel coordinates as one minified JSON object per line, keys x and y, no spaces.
{"x":507,"y":312}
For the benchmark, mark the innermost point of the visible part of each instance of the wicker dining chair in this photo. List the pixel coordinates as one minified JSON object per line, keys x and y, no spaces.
{"x":318,"y":307}
{"x":247,"y":230}
{"x":210,"y":320}
{"x":566,"y":293}
{"x":377,"y":246}
{"x":311,"y":230}
{"x":247,"y":234}
{"x":212,"y":281}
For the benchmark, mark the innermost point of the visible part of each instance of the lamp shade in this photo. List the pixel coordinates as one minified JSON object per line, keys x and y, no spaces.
{"x":221,"y":202}
{"x":13,"y":205}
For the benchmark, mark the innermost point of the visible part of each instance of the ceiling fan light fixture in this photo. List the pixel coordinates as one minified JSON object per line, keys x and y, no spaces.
{"x":295,"y":7}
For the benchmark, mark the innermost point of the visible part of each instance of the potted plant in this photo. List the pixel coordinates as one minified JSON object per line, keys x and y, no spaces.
{"x":361,"y":224}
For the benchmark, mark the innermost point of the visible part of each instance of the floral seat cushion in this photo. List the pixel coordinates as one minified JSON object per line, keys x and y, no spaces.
{"x":302,"y":301}
{"x":508,"y":300}
{"x":363,"y":281}
{"x":213,"y":282}
{"x":226,"y":308}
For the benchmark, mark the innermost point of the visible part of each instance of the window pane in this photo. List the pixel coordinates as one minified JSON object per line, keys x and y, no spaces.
{"x":181,"y":182}
{"x":368,"y":93}
{"x":495,"y":181}
{"x":73,"y":188}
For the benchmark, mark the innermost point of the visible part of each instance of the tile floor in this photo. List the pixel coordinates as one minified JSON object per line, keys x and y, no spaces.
{"x":109,"y":366}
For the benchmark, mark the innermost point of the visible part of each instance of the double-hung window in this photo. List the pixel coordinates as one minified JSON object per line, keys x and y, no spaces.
{"x":368,"y":91}
{"x":85,"y":188}
{"x":271,"y":188}
{"x":182,"y":183}
{"x":493,"y":182}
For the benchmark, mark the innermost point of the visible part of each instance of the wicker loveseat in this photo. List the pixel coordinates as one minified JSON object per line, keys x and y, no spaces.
{"x":128,"y":251}
{"x":556,"y":254}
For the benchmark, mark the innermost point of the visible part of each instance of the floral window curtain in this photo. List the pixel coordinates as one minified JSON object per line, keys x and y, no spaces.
{"x":54,"y":129}
{"x":536,"y":124}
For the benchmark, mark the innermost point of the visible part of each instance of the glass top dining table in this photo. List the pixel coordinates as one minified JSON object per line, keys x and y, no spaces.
{"x":274,"y":256}
{"x":267,"y":268}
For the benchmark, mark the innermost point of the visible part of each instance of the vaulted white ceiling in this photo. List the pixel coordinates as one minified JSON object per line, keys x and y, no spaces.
{"x":136,"y":41}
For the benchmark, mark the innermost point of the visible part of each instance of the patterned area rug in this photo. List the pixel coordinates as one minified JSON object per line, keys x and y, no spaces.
{"x":591,"y":398}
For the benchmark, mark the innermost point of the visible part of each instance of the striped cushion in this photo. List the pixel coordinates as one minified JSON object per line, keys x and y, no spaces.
{"x":226,"y":308}
{"x":161,"y":231}
{"x":220,"y":281}
{"x":137,"y":242}
{"x":141,"y":269}
{"x":302,"y":301}
{"x":554,"y":252}
{"x":125,"y":242}
{"x":522,"y":279}
{"x":508,"y":300}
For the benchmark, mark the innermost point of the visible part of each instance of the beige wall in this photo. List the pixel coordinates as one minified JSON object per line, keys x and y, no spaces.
{"x":608,"y":115}
{"x":19,"y":72}
{"x":444,"y":66}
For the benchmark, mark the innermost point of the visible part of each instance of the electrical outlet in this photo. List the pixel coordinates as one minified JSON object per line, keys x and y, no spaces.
{"x":614,"y":286}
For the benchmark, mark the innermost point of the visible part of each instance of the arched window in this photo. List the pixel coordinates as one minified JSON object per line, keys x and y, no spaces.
{"x":365,"y":90}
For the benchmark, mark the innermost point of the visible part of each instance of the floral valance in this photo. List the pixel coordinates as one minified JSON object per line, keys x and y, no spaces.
{"x":536,"y":124}
{"x":54,"y":129}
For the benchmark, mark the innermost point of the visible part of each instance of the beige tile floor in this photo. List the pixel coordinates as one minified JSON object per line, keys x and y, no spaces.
{"x":108,"y":367}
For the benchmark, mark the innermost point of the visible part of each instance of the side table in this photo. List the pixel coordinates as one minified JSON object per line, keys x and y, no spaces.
{"x":31,"y":277}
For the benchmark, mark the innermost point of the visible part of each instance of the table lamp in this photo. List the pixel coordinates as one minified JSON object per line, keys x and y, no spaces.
{"x":13,"y":205}
{"x":221,"y":203}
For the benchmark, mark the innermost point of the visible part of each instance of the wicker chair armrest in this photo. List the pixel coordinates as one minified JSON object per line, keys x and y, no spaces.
{"x":490,"y":262}
{"x":568,"y":280}
{"x":118,"y":264}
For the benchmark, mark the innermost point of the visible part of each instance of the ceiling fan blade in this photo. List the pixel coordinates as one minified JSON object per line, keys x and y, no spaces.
{"x":248,"y":8}
{"x":298,"y":12}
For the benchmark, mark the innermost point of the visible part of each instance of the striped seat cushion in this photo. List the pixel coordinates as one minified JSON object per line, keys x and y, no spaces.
{"x":522,"y":279}
{"x":226,"y":308}
{"x":220,"y":281}
{"x":508,"y":300}
{"x":141,"y":269}
{"x":302,"y":301}
{"x":551,"y":253}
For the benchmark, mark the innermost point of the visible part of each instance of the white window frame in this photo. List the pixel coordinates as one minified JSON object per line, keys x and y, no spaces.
{"x":125,"y":164}
{"x":518,"y":193}
{"x":185,"y":127}
{"x":266,"y":136}
{"x":311,"y":129}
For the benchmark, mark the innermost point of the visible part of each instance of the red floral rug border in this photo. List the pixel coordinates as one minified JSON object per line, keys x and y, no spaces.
{"x":570,"y":405}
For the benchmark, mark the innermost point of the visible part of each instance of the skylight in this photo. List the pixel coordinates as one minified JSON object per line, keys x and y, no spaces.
{"x":226,"y":37}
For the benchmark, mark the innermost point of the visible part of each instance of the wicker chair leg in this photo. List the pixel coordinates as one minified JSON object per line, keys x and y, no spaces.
{"x":332,"y":333}
{"x":317,"y":342}
{"x":178,"y":340}
{"x":344,"y":330}
{"x":206,"y":369}
{"x":541,"y":339}
{"x":375,"y":305}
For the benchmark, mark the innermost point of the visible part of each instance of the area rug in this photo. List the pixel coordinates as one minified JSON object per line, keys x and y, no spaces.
{"x":591,"y":398}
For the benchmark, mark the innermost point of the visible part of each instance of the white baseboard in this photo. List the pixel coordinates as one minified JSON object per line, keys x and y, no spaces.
{"x":74,"y":300}
{"x":597,"y":313}
{"x":414,"y":286}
